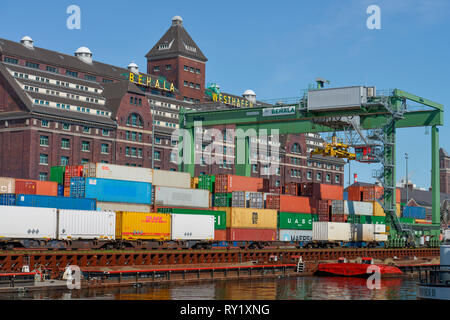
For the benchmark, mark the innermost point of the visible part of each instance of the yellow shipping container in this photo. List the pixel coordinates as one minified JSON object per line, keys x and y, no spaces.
{"x":250,"y":218}
{"x":194,"y":183}
{"x":379,"y":212}
{"x":142,"y":226}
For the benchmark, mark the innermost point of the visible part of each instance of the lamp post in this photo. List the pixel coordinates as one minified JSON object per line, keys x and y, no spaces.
{"x":406,"y":157}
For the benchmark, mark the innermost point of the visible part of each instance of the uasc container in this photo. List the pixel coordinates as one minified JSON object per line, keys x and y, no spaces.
{"x":142,"y":226}
{"x":169,"y":196}
{"x":250,"y":218}
{"x":116,"y":172}
{"x":174,"y":179}
{"x":296,"y":221}
{"x":192,"y":227}
{"x":74,"y":224}
{"x":27,"y":223}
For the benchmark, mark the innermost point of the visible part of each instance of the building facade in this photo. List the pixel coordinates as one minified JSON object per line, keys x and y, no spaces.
{"x":60,"y":109}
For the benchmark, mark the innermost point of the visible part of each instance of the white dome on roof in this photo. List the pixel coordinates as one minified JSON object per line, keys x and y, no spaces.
{"x":27,"y":42}
{"x":177,"y":20}
{"x":249,"y":93}
{"x":83,"y":50}
{"x":133,"y":67}
{"x":26,"y":38}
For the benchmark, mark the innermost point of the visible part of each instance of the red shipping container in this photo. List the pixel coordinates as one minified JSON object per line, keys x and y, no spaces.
{"x":251,"y":234}
{"x":275,"y":190}
{"x":220,"y":235}
{"x":338,"y":218}
{"x":292,"y":189}
{"x":25,"y":186}
{"x":47,"y":188}
{"x":226,"y":183}
{"x":287,"y":203}
{"x":72,"y":171}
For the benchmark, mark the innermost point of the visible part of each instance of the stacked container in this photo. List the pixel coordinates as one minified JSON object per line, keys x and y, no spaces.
{"x":288,"y":203}
{"x":24,"y":200}
{"x":7,"y":185}
{"x":169,"y":196}
{"x":228,"y":183}
{"x":116,"y":172}
{"x":143,"y":226}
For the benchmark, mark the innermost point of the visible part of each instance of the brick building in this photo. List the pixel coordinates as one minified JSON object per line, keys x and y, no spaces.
{"x":444,"y":169}
{"x":60,"y":109}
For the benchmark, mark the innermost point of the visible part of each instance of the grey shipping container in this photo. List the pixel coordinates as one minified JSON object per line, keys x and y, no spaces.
{"x":336,"y":98}
{"x":180,"y":197}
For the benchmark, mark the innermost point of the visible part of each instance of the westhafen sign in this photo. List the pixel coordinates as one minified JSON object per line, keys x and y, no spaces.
{"x":280,"y":111}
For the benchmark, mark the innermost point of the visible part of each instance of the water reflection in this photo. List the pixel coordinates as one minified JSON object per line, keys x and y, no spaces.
{"x":301,"y":288}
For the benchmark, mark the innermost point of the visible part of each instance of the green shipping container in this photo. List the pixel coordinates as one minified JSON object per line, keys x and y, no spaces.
{"x":378,"y":220}
{"x":407,"y":220}
{"x":296,"y":221}
{"x":222,"y":199}
{"x":57,"y":174}
{"x":207,"y":182}
{"x":358,"y":219}
{"x":220,"y":217}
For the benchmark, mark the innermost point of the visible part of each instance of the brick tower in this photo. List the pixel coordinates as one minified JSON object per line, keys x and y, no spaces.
{"x":178,"y":58}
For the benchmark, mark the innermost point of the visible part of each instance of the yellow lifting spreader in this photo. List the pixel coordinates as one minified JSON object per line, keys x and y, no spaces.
{"x":335,"y":149}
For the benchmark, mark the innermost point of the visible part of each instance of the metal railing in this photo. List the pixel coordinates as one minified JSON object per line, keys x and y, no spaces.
{"x":440,"y":275}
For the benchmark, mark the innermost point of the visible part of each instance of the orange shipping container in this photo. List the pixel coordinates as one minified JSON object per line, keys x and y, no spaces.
{"x":47,"y":188}
{"x":220,"y":235}
{"x":322,"y":191}
{"x":25,"y":186}
{"x":287,"y":203}
{"x":228,"y":183}
{"x":67,"y":192}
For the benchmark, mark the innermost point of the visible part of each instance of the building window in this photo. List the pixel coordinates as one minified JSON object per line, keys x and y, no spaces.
{"x":309,"y":175}
{"x":139,"y":153}
{"x":319,"y":176}
{"x":43,"y":176}
{"x":337,"y":178}
{"x":140,"y":137}
{"x":156,"y":69}
{"x":90,"y":78}
{"x":45,"y":123}
{"x":64,"y":161}
{"x":296,"y":148}
{"x":157,"y":155}
{"x":197,"y":71}
{"x":328,"y":178}
{"x":52,"y":69}
{"x":254,"y":168}
{"x":157,"y":140}
{"x":65,"y":143}
{"x":43,"y":158}
{"x":186,"y":68}
{"x":134,"y":120}
{"x":44,"y":141}
{"x":133,"y":152}
{"x":72,"y":73}
{"x":186,"y":83}
{"x":86,"y":130}
{"x":168,"y":67}
{"x":32,"y":65}
{"x":105,"y":148}
{"x":85,"y":146}
{"x":105,"y":132}
{"x":84,"y":161}
{"x":173,"y":157}
{"x":11,"y":60}
{"x":127,"y":151}
{"x":107,"y":81}
{"x":66,"y":126}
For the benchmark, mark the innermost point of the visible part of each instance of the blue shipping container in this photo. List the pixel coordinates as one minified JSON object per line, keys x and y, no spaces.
{"x":345,"y":195}
{"x":414,"y":212}
{"x":8,"y":199}
{"x":31,"y":200}
{"x":60,"y":190}
{"x":109,"y":190}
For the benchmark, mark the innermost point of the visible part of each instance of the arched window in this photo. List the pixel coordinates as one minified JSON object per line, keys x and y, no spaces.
{"x":135,"y":120}
{"x":296,"y":148}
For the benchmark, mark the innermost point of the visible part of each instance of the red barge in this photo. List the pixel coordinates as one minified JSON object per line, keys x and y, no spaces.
{"x":345,"y":269}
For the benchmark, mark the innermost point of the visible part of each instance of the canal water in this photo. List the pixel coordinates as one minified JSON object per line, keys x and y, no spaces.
{"x":291,"y":288}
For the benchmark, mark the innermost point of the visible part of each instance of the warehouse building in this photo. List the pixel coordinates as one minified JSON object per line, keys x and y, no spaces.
{"x":60,"y":109}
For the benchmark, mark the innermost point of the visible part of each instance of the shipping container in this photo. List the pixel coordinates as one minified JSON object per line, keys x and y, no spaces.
{"x":61,"y":190}
{"x":220,"y":235}
{"x":57,"y":174}
{"x":331,"y":231}
{"x":370,"y":193}
{"x":192,"y":226}
{"x":72,"y":172}
{"x":108,"y":190}
{"x":75,"y":224}
{"x":379,"y":228}
{"x":296,"y":221}
{"x":116,"y":172}
{"x":168,"y":196}
{"x":228,"y":183}
{"x":207,"y":182}
{"x":222,"y":199}
{"x":25,"y":186}
{"x":143,"y":226}
{"x":194,"y":183}
{"x":174,"y":179}
{"x":220,"y":218}
{"x":337,"y":207}
{"x":358,"y":208}
{"x":292,"y":189}
{"x":286,"y":203}
{"x":377,"y":220}
{"x":357,"y":219}
{"x":414,"y":212}
{"x":27,"y":223}
{"x":7,"y":199}
{"x":364,"y":232}
{"x":46,"y":188}
{"x":378,"y":210}
{"x":338,"y":218}
{"x":406,"y":220}
{"x":7,"y":185}
{"x":242,"y":199}
{"x":66,"y":191}
{"x":239,"y":234}
{"x":322,"y":191}
{"x":31,"y":200}
{"x":250,"y":218}
{"x":337,"y":98}
{"x":117,"y":206}
{"x":421,"y":221}
{"x":295,"y":235}
{"x":381,"y":237}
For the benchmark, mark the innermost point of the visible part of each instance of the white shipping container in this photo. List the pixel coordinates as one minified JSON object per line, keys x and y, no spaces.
{"x":336,"y":98}
{"x":173,"y":179}
{"x":116,"y":172}
{"x":331,"y":231}
{"x":7,"y":185}
{"x":381,"y":237}
{"x":358,"y":208}
{"x":380,"y":228}
{"x":82,"y":224}
{"x":194,"y":198}
{"x":192,"y":227}
{"x":27,"y":223}
{"x":295,"y":235}
{"x":365,"y":232}
{"x":118,"y":206}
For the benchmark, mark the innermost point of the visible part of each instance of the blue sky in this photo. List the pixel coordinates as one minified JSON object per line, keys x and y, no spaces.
{"x":275,"y":48}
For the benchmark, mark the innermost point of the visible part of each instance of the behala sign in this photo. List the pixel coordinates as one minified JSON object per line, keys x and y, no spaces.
{"x":280,"y":111}
{"x":153,"y":83}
